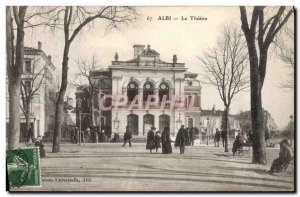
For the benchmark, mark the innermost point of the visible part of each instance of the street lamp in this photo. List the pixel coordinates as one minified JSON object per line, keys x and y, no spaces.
{"x":79,"y":132}
{"x":200,"y":132}
{"x":207,"y":131}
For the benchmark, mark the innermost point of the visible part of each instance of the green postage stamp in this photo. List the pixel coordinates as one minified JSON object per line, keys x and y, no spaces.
{"x":23,"y":166}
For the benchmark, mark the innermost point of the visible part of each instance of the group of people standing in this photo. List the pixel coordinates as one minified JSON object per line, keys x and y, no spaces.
{"x":218,"y":136}
{"x":184,"y":138}
{"x":154,"y":140}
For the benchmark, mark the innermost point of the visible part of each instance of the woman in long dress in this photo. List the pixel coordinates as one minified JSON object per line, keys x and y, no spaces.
{"x":157,"y":140}
{"x":150,"y":140}
{"x":166,"y":141}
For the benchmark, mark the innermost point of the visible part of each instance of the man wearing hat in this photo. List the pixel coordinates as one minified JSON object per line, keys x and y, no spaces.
{"x":181,"y":139}
{"x":150,"y":140}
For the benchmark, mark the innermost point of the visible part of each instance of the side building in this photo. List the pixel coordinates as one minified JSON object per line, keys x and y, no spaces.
{"x":39,"y":79}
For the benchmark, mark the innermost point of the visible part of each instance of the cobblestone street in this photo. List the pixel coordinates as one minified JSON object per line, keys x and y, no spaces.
{"x":110,"y":167}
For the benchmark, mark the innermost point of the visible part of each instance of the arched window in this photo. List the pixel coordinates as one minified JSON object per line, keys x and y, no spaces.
{"x":148,"y":89}
{"x":163,"y":90}
{"x":132,"y":91}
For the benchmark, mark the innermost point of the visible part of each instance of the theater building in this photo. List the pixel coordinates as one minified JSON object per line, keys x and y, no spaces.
{"x":167,"y":84}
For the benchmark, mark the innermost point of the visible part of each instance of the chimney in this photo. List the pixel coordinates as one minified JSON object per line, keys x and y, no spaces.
{"x":116,"y":57}
{"x":49,"y":58}
{"x":138,"y":49}
{"x":174,"y":59}
{"x":39,"y":45}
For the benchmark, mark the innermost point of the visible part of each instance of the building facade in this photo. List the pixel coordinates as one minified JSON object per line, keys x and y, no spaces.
{"x":146,"y":91}
{"x":38,"y":74}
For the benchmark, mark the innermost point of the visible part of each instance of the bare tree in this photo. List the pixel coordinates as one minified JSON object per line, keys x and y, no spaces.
{"x":15,"y":61}
{"x":72,"y":20}
{"x":23,"y":17}
{"x":287,"y":56}
{"x":85,"y":68}
{"x":224,"y":67}
{"x":31,"y":83}
{"x":259,"y":35}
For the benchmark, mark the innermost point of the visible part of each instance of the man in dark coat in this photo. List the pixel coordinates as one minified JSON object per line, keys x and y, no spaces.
{"x":150,"y":140}
{"x":237,"y":144}
{"x":192,"y":135}
{"x":181,"y":139}
{"x":157,"y":140}
{"x":187,"y":137}
{"x":38,"y":143}
{"x":30,"y":134}
{"x":285,"y":157}
{"x":127,"y":136}
{"x":166,"y":141}
{"x":217,"y":138}
{"x":223,"y":136}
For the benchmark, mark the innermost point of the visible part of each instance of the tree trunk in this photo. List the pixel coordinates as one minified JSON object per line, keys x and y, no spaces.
{"x":225,"y":126}
{"x":14,"y":113}
{"x":14,"y":79}
{"x":259,"y":144}
{"x":60,"y":101}
{"x":92,"y":120}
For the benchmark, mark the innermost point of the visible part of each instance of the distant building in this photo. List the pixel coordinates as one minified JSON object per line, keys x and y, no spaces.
{"x":244,"y":119}
{"x":212,"y":120}
{"x":38,"y":67}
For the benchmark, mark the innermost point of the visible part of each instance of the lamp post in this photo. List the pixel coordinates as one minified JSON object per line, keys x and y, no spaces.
{"x":200,"y":132}
{"x":79,"y":131}
{"x":207,"y":131}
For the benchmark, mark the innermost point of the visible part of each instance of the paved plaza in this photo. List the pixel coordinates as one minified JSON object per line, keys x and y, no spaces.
{"x":110,"y":167}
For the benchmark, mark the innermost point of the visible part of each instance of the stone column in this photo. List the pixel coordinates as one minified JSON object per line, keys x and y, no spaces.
{"x":172,"y":123}
{"x":156,"y":120}
{"x":141,"y":124}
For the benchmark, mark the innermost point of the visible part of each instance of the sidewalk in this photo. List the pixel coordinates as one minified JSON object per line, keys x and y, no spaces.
{"x":110,"y":167}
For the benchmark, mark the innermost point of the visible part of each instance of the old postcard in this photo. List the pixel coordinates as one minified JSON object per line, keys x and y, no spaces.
{"x":152,"y":99}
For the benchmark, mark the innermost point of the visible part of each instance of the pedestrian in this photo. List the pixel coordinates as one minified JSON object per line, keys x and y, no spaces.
{"x":30,"y":134}
{"x":166,"y":141}
{"x":76,"y":135}
{"x":285,"y":157}
{"x":157,"y":140}
{"x":150,"y":140}
{"x":267,"y":137}
{"x":127,"y":137}
{"x":38,"y":143}
{"x":115,"y":138}
{"x":192,"y":135}
{"x":223,"y":136}
{"x":187,"y":137}
{"x":88,"y":135}
{"x":181,"y":139}
{"x":237,"y":144}
{"x":217,"y":137}
{"x":249,"y":137}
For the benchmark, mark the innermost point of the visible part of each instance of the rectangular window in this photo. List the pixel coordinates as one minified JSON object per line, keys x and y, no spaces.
{"x":28,"y":66}
{"x":28,"y":86}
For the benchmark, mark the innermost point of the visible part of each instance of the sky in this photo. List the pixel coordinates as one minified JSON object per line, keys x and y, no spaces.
{"x":187,"y":39}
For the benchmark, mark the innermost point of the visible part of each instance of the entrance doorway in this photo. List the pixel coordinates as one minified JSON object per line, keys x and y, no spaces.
{"x":148,"y":123}
{"x":190,"y":122}
{"x":133,"y":123}
{"x":164,"y":121}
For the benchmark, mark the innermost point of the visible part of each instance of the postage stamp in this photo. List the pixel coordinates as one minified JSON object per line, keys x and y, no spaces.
{"x":23,"y":166}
